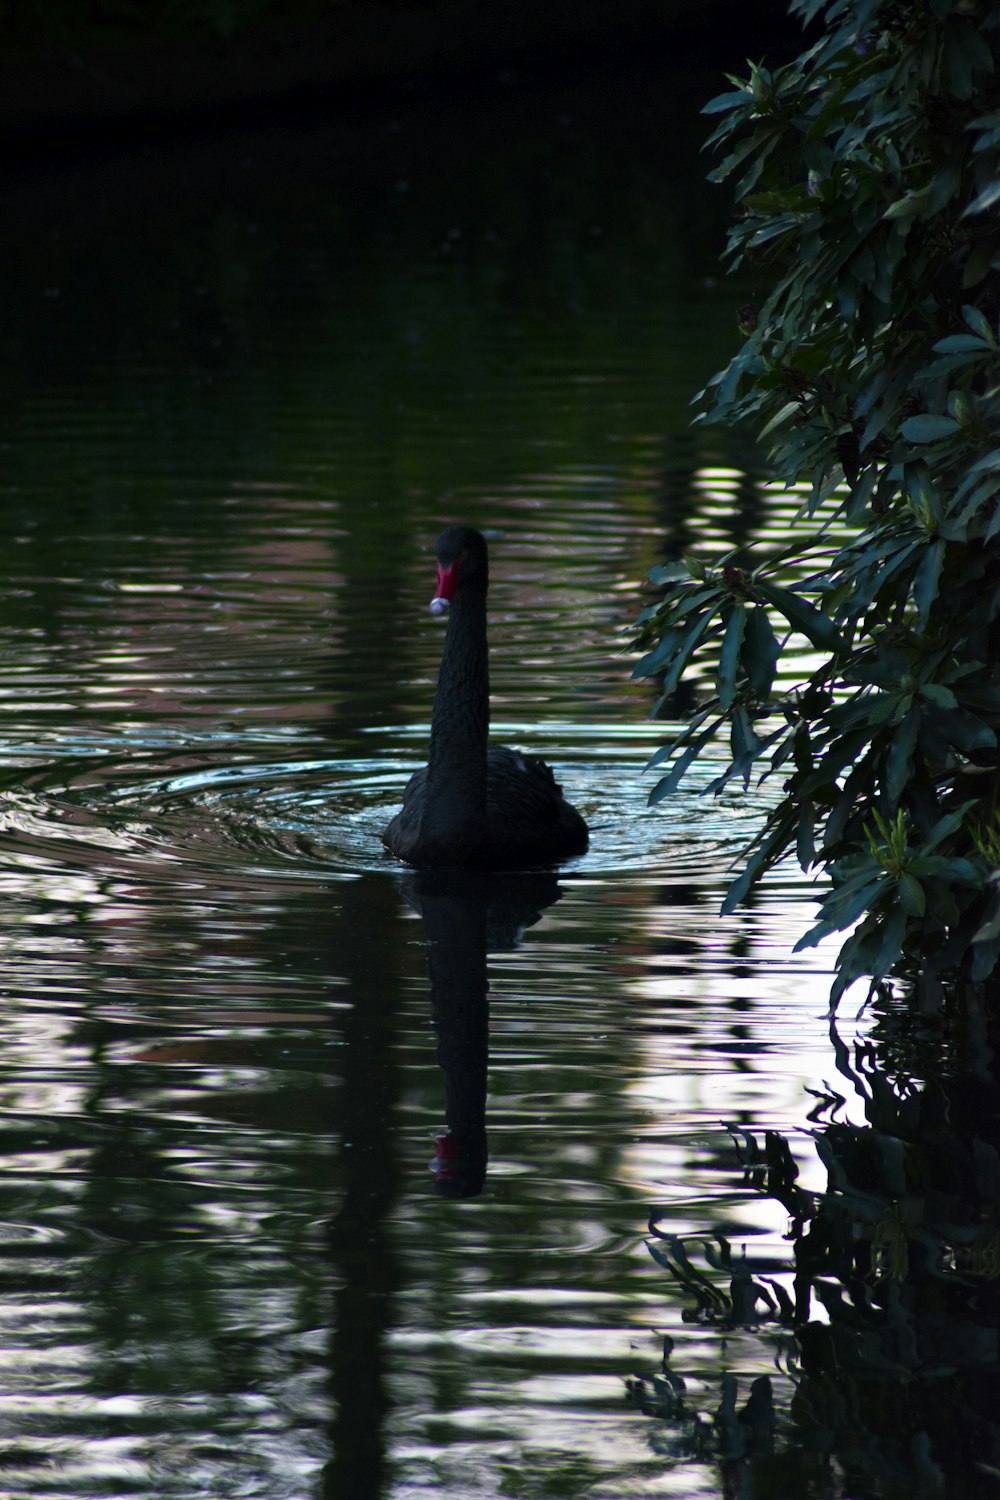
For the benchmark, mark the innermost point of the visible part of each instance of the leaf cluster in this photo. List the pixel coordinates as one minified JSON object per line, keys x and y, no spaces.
{"x":867,"y":177}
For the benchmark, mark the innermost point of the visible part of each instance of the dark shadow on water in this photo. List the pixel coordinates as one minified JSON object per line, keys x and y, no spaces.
{"x":466,"y":915}
{"x":361,"y":1243}
{"x":888,"y":1340}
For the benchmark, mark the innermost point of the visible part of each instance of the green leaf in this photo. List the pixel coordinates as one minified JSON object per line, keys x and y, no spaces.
{"x":650,"y":664}
{"x":949,"y":824}
{"x":861,"y":493}
{"x":790,"y":412}
{"x":989,"y":930}
{"x":891,"y":945}
{"x":912,"y":897}
{"x":862,"y":898}
{"x":977,"y":264}
{"x":760,"y":651}
{"x":801,"y":615}
{"x":928,"y":428}
{"x":689,"y":642}
{"x":726,"y":102}
{"x":745,"y":743}
{"x":988,"y":198}
{"x":772,"y":230}
{"x":672,"y":572}
{"x":899,"y":761}
{"x":911,"y":206}
{"x":805,"y":844}
{"x":740,"y":887}
{"x":960,"y":872}
{"x":957,"y":343}
{"x":729,"y":656}
{"x":927,"y":579}
{"x":985,"y":957}
{"x":938,"y":694}
{"x":671,"y":781}
{"x":979,"y":323}
{"x":966,"y":732}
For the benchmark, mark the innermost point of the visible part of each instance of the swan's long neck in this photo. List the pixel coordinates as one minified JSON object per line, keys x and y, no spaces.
{"x":455,"y":799}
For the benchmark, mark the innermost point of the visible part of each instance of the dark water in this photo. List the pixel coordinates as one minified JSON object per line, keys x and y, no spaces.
{"x":244,"y":381}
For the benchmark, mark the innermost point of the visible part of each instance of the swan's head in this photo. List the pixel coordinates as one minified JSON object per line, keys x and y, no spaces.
{"x":462,"y":562}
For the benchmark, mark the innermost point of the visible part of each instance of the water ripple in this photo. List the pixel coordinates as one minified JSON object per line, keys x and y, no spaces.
{"x":211,"y":802}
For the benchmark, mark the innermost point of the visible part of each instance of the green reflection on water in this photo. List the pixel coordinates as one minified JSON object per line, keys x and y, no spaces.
{"x":481,"y":295}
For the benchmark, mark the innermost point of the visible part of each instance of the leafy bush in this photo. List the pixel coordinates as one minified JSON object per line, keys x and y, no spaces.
{"x":867,"y":176}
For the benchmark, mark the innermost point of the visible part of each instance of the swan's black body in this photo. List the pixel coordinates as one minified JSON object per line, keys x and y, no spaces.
{"x":475,"y":805}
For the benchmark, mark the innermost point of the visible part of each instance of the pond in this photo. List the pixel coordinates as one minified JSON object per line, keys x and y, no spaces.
{"x":291,"y":1204}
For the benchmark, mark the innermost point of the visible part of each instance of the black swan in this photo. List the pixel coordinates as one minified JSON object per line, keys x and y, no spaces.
{"x":474,"y":805}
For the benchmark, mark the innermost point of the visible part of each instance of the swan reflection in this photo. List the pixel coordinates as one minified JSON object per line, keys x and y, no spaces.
{"x":466,"y":915}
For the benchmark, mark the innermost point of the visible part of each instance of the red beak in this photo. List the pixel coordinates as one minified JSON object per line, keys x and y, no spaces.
{"x":447,"y":582}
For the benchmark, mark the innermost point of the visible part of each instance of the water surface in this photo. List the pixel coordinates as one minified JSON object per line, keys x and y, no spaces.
{"x":244,"y":383}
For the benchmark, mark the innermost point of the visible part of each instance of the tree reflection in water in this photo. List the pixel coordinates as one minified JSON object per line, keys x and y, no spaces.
{"x":888,"y":1340}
